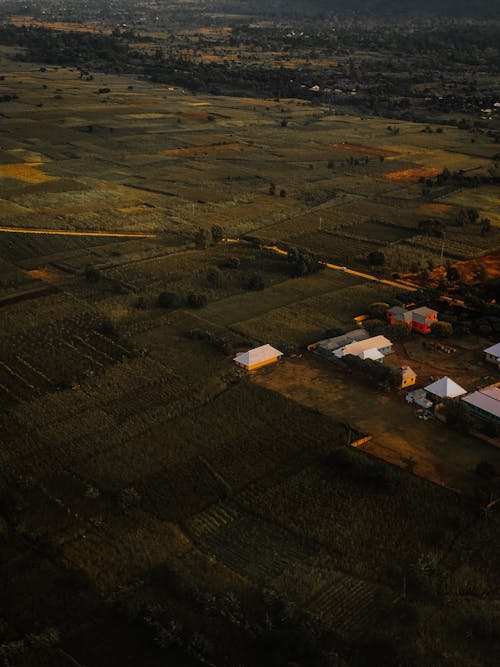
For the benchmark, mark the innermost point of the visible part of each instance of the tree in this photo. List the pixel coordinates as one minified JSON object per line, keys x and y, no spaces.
{"x":376,"y":258}
{"x":272,"y":189}
{"x":485,"y":226}
{"x":452,"y":274}
{"x":378,"y":310}
{"x":457,"y":416}
{"x":472,"y":215}
{"x":485,"y":470}
{"x":442,"y":329}
{"x":256,"y":283}
{"x":215,"y":277}
{"x":195,"y":300}
{"x":168,"y":300}
{"x":217,"y":233}
{"x":202,"y":238}
{"x":92,"y":275}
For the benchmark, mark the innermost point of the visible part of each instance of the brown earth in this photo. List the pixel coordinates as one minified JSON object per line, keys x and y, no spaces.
{"x":411,"y":175}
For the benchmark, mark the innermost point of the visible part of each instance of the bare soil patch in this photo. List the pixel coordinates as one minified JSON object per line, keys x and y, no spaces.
{"x":411,"y":175}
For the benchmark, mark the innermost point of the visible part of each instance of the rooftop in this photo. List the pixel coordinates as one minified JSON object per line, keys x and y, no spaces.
{"x":487,"y":399}
{"x":344,"y":339}
{"x":445,"y":387}
{"x":357,"y":348}
{"x":494,"y":350}
{"x":257,"y":355}
{"x":424,"y":311}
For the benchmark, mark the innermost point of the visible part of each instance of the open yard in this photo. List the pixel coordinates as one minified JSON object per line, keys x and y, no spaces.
{"x":439,"y":454}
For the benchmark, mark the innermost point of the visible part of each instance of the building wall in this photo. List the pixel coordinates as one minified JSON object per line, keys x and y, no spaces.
{"x":422,"y":328}
{"x":493,"y":359}
{"x":261,"y":364}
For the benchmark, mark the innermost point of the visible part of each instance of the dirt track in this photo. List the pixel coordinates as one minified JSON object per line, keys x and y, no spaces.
{"x":69,"y":232}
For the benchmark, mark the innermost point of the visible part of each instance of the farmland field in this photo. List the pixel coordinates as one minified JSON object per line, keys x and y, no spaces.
{"x":147,"y":481}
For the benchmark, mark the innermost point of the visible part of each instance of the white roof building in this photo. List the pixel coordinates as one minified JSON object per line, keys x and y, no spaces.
{"x":360,"y":347}
{"x":258,"y":356}
{"x":493,"y":351}
{"x":372,"y":353}
{"x":485,"y":402}
{"x":445,"y":388}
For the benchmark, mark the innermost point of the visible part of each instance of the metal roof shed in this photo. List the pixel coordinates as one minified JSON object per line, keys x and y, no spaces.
{"x":258,"y":357}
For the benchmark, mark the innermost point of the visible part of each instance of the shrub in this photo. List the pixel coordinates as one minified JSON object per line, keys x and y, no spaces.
{"x":217,"y":233}
{"x":168,"y":300}
{"x":215,"y":277}
{"x":442,"y":329}
{"x":485,"y":470}
{"x":378,"y":309}
{"x":196,"y":300}
{"x":376,"y":258}
{"x":256,"y":283}
{"x":92,"y":275}
{"x":230,"y":263}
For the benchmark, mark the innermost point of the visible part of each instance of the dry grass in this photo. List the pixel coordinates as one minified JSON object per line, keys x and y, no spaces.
{"x":363,"y":149}
{"x":28,"y":172}
{"x":411,"y":175}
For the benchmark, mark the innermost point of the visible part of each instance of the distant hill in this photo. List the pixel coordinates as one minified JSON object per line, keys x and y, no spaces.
{"x":487,"y":9}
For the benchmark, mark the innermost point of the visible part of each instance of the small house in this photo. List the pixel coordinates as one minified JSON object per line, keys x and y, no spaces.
{"x":444,"y":388}
{"x":423,"y":319}
{"x":258,"y":357}
{"x":420,"y":319}
{"x":492,"y":354}
{"x":399,"y":315}
{"x":408,"y":376}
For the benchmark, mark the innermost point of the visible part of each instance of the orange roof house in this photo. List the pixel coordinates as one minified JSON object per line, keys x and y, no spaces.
{"x":258,"y":357}
{"x":421,"y":319}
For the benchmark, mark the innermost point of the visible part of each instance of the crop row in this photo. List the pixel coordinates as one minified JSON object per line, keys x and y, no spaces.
{"x":20,"y":247}
{"x":47,"y":364}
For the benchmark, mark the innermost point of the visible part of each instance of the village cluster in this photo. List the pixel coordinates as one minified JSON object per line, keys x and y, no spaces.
{"x":483,"y":403}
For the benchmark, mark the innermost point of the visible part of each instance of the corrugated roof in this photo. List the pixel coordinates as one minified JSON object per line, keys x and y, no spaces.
{"x":358,"y":347}
{"x":485,"y":399}
{"x":258,"y":355}
{"x":407,"y":372}
{"x":494,"y":350}
{"x":424,"y":311}
{"x":445,"y":388}
{"x":344,"y":339}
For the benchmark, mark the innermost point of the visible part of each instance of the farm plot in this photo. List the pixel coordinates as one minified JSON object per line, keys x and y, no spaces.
{"x":304,"y":321}
{"x":61,"y":354}
{"x":254,"y":548}
{"x":350,"y":606}
{"x":454,"y":248}
{"x":315,"y":503}
{"x":18,"y":248}
{"x":361,"y":149}
{"x":246,"y":306}
{"x":125,"y":547}
{"x":339,"y":247}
